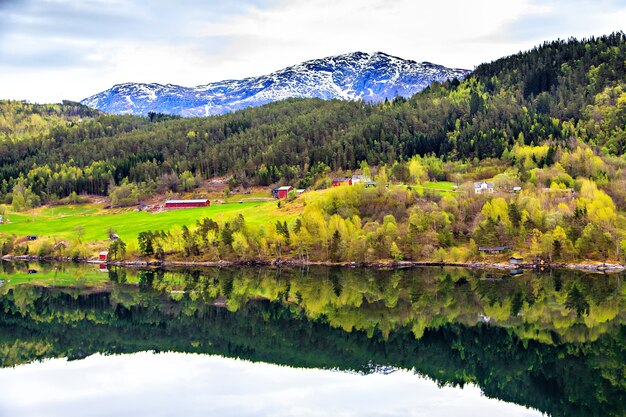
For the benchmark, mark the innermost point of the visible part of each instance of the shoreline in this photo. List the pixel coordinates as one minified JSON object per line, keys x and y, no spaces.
{"x":599,"y":267}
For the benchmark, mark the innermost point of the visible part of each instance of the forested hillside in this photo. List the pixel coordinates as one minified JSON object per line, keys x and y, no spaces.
{"x":546,"y":128}
{"x":556,"y":93}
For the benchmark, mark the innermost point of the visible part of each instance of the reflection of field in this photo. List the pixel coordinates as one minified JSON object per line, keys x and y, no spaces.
{"x":53,"y":275}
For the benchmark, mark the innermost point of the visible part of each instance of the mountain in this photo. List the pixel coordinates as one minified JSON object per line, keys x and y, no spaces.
{"x":369,"y":77}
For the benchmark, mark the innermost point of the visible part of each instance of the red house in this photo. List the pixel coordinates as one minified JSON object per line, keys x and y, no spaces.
{"x":341,"y":181}
{"x":176,"y":204}
{"x":104,"y":255}
{"x":283,"y":192}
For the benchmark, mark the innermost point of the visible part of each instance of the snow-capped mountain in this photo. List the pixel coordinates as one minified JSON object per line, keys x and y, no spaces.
{"x":370,"y":77}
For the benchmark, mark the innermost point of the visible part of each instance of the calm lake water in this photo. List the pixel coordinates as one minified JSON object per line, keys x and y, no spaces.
{"x":316,"y":342}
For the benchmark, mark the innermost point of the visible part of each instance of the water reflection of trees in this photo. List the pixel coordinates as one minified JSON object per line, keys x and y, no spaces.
{"x":522,"y":339}
{"x":562,"y":305}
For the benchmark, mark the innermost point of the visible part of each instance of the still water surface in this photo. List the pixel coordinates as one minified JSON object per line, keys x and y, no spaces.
{"x":75,"y":340}
{"x":176,"y":384}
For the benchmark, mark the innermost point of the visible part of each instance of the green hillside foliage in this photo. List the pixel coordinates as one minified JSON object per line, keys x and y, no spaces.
{"x":551,"y":121}
{"x":21,"y":120}
{"x":556,"y":92}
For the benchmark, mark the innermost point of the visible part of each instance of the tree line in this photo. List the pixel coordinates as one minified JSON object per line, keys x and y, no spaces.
{"x":550,"y":94}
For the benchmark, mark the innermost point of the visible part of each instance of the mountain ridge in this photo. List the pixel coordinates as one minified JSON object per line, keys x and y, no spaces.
{"x":355,"y":76}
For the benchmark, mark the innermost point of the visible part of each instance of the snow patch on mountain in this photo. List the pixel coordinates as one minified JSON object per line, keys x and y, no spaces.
{"x":356,"y":76}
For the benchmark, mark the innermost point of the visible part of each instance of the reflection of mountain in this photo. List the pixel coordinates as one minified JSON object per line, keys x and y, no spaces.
{"x":296,"y":319}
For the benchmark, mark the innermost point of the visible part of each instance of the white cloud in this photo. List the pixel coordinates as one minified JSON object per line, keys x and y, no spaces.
{"x":441,"y":32}
{"x":175,"y":384}
{"x":80,"y":48}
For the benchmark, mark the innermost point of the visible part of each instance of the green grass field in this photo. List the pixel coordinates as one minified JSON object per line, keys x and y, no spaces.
{"x":439,"y":185}
{"x":61,"y":222}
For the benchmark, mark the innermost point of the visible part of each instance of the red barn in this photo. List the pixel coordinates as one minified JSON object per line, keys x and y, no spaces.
{"x":342,"y":181}
{"x":283,"y":192}
{"x":104,"y":256}
{"x":175,"y":204}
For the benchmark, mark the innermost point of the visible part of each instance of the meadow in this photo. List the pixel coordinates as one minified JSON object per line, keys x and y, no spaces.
{"x":94,"y":222}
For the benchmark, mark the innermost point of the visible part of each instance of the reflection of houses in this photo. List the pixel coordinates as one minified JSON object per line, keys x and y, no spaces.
{"x":174,"y":204}
{"x":281,"y":192}
{"x":491,"y":277}
{"x":483,"y":187}
{"x":341,"y":181}
{"x":493,"y":250}
{"x":483,"y":318}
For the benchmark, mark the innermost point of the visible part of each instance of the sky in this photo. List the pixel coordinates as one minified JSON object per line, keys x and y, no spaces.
{"x":53,"y":50}
{"x":176,"y":384}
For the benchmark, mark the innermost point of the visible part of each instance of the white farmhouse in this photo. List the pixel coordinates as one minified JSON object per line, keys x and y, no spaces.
{"x":483,"y":187}
{"x":360,"y":179}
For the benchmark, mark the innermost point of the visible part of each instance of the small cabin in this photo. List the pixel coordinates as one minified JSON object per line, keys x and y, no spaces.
{"x":517,"y":189}
{"x":483,"y":187}
{"x":493,"y":250}
{"x":515,"y":260}
{"x":104,"y":256}
{"x":300,"y":191}
{"x":282,"y":192}
{"x":341,"y":181}
{"x":176,"y":204}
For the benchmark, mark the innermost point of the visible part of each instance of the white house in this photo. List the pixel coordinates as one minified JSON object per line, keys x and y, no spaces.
{"x":360,"y":178}
{"x":483,"y":187}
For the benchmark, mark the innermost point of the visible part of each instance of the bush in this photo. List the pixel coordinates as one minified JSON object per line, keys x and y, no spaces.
{"x":77,"y":251}
{"x":21,"y":250}
{"x":124,"y":195}
{"x":45,"y":250}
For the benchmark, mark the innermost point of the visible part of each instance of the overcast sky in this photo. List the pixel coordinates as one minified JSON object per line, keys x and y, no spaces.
{"x":70,"y":49}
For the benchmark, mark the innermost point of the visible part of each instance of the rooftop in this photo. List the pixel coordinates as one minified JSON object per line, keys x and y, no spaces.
{"x":186,"y":201}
